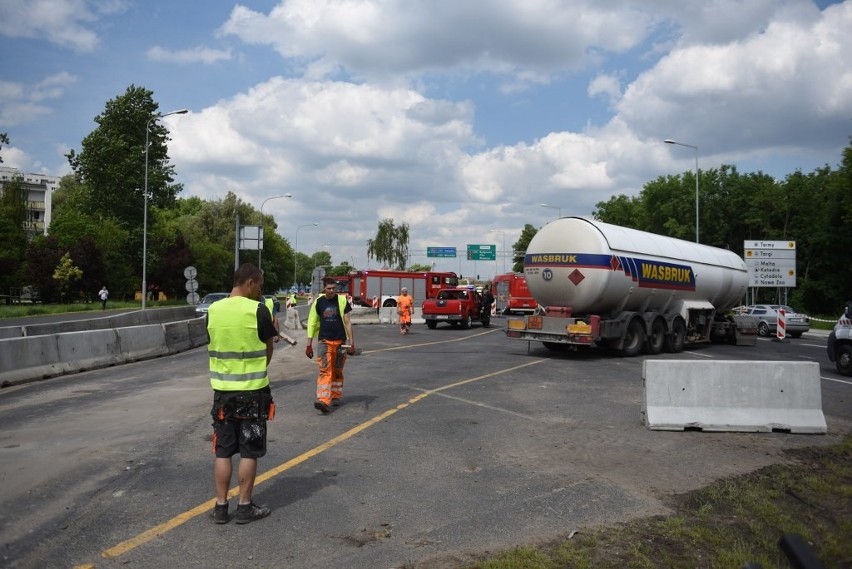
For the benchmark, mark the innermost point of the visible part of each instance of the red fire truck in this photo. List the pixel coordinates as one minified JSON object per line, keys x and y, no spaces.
{"x":377,"y":288}
{"x":512,"y":295}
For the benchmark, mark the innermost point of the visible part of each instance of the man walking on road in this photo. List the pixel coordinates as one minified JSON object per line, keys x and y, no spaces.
{"x":241,"y":343}
{"x":329,"y":322}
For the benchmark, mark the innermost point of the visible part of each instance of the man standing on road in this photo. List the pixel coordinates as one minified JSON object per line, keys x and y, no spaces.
{"x":404,"y":308}
{"x":241,"y":343}
{"x":103,"y":294}
{"x":329,"y":322}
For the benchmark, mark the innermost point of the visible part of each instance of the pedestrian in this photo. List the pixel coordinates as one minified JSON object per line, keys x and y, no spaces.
{"x":404,"y":308}
{"x":241,"y":343}
{"x":103,"y":294}
{"x":329,"y":322}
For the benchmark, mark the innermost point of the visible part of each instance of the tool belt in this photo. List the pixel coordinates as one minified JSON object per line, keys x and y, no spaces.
{"x":244,"y":405}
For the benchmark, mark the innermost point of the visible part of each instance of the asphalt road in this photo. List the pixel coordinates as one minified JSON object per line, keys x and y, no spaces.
{"x":449,"y":444}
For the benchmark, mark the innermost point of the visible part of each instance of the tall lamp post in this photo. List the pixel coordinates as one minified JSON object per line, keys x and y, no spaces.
{"x":145,"y":214}
{"x":503,"y":234}
{"x":552,"y":207}
{"x":263,"y":203}
{"x":296,"y":249}
{"x":670,"y":141}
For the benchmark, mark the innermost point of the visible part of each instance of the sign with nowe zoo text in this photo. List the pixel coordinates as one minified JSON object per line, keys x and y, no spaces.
{"x":770,"y":263}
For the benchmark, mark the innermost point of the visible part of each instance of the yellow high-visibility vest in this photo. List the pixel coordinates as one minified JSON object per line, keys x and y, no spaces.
{"x":237,"y":356}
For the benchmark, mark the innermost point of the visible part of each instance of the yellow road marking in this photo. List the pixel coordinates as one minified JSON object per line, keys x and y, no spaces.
{"x":205,"y":507}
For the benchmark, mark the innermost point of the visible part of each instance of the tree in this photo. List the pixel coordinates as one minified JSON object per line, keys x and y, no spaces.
{"x":520,"y":247}
{"x":4,"y":139}
{"x":13,"y":236}
{"x":418,"y":268}
{"x":66,"y":274}
{"x":111,"y":163}
{"x":390,"y":244}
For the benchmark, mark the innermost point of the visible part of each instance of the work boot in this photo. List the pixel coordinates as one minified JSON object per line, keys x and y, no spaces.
{"x":323,"y":407}
{"x":335,"y":402}
{"x":220,"y":513}
{"x":247,"y":513}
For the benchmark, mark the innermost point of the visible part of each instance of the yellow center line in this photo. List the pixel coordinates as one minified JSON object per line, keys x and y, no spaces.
{"x":205,"y":507}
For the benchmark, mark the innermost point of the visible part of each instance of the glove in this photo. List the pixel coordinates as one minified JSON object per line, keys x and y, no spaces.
{"x":309,"y":351}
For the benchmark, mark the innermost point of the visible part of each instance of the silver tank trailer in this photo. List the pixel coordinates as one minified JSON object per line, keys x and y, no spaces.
{"x":599,"y":268}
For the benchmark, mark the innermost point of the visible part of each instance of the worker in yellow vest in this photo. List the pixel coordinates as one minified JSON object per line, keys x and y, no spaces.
{"x":241,"y":343}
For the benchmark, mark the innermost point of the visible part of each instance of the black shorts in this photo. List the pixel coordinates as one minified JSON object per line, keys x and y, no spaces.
{"x":239,"y":422}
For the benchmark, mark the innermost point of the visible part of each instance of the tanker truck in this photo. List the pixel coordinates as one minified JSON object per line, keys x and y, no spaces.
{"x":629,"y":290}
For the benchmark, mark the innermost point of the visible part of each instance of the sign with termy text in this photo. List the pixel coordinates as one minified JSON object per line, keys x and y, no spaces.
{"x":770,"y":263}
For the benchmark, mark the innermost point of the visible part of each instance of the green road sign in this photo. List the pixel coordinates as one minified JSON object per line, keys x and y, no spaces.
{"x":481,"y":252}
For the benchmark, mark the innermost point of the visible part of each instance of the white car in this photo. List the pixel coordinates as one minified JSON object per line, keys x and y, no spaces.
{"x":767,"y":316}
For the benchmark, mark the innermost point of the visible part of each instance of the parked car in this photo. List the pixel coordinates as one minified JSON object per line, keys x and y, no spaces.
{"x":767,"y":316}
{"x":204,"y":305}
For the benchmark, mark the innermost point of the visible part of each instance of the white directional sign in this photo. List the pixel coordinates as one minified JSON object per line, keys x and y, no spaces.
{"x":770,"y":263}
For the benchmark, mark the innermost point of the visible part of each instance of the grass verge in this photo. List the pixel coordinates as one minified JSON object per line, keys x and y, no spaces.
{"x":730,"y":524}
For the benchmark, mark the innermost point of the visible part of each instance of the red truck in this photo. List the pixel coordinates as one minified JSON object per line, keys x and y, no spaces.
{"x":457,"y":306}
{"x":382,"y":287}
{"x":512,"y":295}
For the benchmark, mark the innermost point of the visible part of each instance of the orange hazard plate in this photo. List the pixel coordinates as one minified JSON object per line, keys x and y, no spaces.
{"x":534,"y":323}
{"x":516,"y":324}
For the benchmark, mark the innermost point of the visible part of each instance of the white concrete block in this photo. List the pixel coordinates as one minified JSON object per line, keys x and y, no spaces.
{"x":752,"y":396}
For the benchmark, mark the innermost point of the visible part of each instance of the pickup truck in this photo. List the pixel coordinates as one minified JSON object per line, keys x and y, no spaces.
{"x":459,"y":307}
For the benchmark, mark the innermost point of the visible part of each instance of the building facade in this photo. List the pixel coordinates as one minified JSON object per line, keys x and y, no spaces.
{"x":40,"y":188}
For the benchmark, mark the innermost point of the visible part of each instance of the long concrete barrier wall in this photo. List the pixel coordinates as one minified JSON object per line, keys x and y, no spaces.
{"x":135,"y":318}
{"x":30,"y":358}
{"x":761,"y":396}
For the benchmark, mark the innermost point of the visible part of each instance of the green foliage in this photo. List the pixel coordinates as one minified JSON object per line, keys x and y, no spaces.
{"x":390,"y":244}
{"x":66,"y":275}
{"x":13,"y":236}
{"x":520,"y":247}
{"x":111,"y":164}
{"x":420,"y":268}
{"x":4,"y":139}
{"x":813,"y":209}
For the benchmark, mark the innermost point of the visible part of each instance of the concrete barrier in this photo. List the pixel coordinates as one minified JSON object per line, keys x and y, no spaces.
{"x":142,"y":342}
{"x":11,"y":332}
{"x":30,"y":358}
{"x":760,"y":396}
{"x":80,"y":351}
{"x":123,"y":320}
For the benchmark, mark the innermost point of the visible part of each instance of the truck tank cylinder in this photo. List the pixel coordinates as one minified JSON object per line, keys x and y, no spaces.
{"x":599,"y":268}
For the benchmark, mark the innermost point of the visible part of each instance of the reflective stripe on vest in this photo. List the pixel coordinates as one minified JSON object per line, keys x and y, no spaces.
{"x":237,"y":356}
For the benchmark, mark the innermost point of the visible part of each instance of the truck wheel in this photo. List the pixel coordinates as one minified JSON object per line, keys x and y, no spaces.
{"x":465,"y":322}
{"x":843,"y":359}
{"x":654,"y":342}
{"x":634,"y":338}
{"x":390,"y":303}
{"x":677,"y":338}
{"x":431,"y":324}
{"x":763,"y":329}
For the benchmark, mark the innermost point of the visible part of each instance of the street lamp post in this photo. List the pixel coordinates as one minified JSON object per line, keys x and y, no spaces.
{"x":559,"y":209}
{"x":502,"y":234}
{"x":670,"y":141}
{"x":145,"y":210}
{"x":296,"y":249}
{"x":260,"y":250}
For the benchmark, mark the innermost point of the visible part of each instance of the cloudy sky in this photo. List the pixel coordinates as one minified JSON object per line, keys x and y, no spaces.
{"x":458,"y":117}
